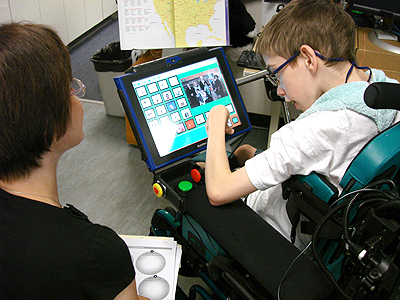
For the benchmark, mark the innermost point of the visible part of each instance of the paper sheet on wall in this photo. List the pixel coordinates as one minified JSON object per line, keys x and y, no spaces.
{"x":155,"y":24}
{"x":157,"y":262}
{"x":269,"y":9}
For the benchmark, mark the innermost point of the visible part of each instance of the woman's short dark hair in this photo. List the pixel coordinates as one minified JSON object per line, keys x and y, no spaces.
{"x":35,"y":78}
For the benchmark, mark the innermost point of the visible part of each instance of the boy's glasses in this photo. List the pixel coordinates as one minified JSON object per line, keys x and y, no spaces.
{"x":272,"y":77}
{"x":275,"y":80}
{"x":78,"y":88}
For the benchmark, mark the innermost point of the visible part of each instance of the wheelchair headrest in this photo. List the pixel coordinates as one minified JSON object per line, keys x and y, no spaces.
{"x":383,"y":95}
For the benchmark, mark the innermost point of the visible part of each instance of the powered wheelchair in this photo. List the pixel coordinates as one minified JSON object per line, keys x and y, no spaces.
{"x":354,"y":252}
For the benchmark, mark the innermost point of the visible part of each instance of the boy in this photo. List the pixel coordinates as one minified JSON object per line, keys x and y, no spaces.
{"x":309,"y":47}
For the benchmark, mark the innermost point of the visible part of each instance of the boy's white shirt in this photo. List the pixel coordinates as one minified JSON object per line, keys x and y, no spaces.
{"x":293,"y":151}
{"x":334,"y":137}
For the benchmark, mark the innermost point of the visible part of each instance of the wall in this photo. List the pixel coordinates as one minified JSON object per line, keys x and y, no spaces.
{"x":70,"y":18}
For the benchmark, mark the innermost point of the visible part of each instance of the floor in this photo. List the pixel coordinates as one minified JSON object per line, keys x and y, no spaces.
{"x":105,"y":177}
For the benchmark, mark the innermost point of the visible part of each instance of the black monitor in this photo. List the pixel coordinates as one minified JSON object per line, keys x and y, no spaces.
{"x":384,"y":8}
{"x":389,"y":9}
{"x":167,"y":103}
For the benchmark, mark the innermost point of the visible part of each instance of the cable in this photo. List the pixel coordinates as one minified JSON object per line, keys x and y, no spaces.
{"x":346,"y":214}
{"x":347,"y":205}
{"x":327,"y":273}
{"x":350,"y":194}
{"x":288,"y":269}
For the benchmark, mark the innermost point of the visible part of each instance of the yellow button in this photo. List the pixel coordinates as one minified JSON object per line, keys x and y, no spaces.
{"x":158,"y":189}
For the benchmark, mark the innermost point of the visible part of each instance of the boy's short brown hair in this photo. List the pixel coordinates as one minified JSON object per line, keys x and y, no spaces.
{"x":322,"y":24}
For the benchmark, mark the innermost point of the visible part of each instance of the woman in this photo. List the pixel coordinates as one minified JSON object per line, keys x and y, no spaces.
{"x":47,"y":251}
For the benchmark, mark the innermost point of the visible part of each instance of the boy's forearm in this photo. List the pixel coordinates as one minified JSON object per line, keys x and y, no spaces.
{"x":217,"y":169}
{"x":223,"y":186}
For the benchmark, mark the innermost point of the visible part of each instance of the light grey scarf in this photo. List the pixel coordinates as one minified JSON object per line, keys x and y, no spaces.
{"x":351,"y":96}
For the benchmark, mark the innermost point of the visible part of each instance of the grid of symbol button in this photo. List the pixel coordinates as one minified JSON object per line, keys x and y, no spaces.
{"x":164,"y":103}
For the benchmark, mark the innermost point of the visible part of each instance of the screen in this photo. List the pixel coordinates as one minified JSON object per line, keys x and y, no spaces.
{"x":384,"y":8}
{"x":169,"y":105}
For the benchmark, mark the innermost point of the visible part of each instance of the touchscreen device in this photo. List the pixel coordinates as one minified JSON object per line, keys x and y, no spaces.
{"x":167,"y":102}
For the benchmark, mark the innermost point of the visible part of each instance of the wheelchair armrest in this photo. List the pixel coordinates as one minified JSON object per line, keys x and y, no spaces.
{"x":320,"y":186}
{"x":259,"y":248}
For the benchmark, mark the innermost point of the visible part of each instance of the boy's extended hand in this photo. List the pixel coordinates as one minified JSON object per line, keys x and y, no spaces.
{"x":219,"y":112}
{"x":222,"y":185}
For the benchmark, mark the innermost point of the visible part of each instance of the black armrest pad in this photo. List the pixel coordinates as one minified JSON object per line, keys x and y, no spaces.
{"x":259,"y":248}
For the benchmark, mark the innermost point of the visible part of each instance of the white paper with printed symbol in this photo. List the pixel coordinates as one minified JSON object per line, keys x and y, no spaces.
{"x":156,"y":261}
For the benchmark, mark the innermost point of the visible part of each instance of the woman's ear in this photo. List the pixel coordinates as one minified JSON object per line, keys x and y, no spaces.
{"x":310,"y":59}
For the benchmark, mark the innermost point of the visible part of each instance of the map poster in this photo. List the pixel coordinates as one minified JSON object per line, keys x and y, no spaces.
{"x":155,"y":24}
{"x":201,"y":23}
{"x":146,"y":24}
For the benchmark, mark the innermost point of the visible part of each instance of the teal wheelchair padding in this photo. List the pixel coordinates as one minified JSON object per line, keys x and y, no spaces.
{"x":319,"y":187}
{"x":200,"y":239}
{"x":379,"y":155}
{"x":166,"y":215}
{"x":201,"y":157}
{"x":311,"y":196}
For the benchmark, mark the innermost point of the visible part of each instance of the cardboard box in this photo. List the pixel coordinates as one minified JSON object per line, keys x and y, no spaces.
{"x":130,"y":137}
{"x":370,"y":55}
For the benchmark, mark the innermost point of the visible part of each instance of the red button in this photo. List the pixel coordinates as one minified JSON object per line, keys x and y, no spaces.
{"x":196,"y":175}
